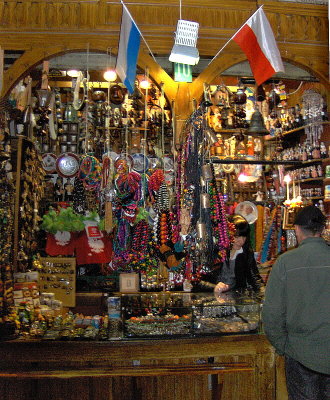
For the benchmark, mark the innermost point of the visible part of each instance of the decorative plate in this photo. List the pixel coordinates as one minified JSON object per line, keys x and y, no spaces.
{"x":67,"y":165}
{"x":49,"y":162}
{"x":124,"y":160}
{"x":168,"y":164}
{"x":227,"y":168}
{"x":248,"y":210}
{"x":140,"y":162}
{"x":112,"y":154}
{"x":154,"y":162}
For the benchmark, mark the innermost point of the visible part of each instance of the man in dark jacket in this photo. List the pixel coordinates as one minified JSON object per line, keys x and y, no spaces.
{"x":296,"y":310}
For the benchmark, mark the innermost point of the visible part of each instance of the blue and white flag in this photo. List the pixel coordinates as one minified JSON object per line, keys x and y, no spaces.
{"x":129,"y":44}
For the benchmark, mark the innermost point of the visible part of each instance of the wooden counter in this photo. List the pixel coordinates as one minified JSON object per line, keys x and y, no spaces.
{"x":240,"y":367}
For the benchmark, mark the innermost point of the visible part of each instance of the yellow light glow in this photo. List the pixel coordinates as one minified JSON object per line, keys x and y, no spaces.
{"x":73,"y":73}
{"x":144,"y":84}
{"x":287,"y":178}
{"x":242,"y":177}
{"x":110,"y":75}
{"x":162,"y":101}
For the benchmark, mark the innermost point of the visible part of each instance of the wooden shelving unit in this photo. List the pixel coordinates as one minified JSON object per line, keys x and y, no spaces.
{"x":18,"y":145}
{"x":310,"y":180}
{"x":216,"y":160}
{"x":297,"y":130}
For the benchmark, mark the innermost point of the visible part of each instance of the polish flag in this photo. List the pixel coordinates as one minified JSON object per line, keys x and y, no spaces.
{"x":257,"y":41}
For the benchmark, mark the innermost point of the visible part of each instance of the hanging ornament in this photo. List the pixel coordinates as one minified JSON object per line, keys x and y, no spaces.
{"x":273,"y":99}
{"x":240,"y":96}
{"x":207,"y":102}
{"x":205,"y":200}
{"x":207,"y":172}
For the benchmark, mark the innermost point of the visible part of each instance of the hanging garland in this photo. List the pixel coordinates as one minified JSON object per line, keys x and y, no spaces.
{"x":139,"y":255}
{"x":219,"y":221}
{"x":128,"y":186}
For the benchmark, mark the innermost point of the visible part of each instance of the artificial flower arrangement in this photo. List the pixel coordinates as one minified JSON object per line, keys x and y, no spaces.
{"x":66,"y":220}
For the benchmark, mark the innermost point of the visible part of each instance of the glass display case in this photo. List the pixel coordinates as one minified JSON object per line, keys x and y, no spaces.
{"x":167,"y":314}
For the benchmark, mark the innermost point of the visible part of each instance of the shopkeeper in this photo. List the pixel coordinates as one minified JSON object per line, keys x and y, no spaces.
{"x":239,"y":271}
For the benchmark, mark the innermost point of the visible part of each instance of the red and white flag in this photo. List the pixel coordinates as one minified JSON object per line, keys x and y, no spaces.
{"x":257,"y":41}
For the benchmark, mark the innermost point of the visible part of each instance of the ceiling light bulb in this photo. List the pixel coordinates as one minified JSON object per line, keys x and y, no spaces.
{"x":73,"y":73}
{"x":144,"y":84}
{"x":242,"y":177}
{"x":287,"y":178}
{"x":110,"y":75}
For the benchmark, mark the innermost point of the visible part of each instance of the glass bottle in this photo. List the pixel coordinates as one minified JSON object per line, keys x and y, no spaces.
{"x":304,"y":152}
{"x":316,"y":154}
{"x":323,"y":150}
{"x":308,"y":150}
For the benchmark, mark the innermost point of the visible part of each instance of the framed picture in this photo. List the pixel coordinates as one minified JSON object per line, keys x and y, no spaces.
{"x":289,"y":217}
{"x":129,"y":282}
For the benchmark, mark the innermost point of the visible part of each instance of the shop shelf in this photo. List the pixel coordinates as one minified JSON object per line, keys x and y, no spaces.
{"x":298,"y":129}
{"x":321,"y":178}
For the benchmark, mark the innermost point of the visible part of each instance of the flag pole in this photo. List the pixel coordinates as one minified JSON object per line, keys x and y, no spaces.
{"x":233,"y":36}
{"x":123,"y":4}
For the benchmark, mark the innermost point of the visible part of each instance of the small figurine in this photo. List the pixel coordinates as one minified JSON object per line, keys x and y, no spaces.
{"x":313,"y":172}
{"x":257,"y":146}
{"x":323,"y":150}
{"x":68,"y":190}
{"x":259,"y":196}
{"x":219,"y":145}
{"x":240,"y":148}
{"x":59,"y":191}
{"x":250,"y":146}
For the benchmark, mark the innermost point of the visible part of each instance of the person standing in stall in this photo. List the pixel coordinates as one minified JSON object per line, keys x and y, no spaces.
{"x":296,"y":310}
{"x":240,"y":271}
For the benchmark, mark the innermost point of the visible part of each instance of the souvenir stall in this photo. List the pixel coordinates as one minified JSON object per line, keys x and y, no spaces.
{"x":116,"y":218}
{"x":120,"y":243}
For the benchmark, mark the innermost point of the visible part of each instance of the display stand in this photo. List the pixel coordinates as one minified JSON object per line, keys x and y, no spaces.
{"x":58,"y":276}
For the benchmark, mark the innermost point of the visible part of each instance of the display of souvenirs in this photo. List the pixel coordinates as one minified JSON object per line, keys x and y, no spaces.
{"x":101,"y":182}
{"x":6,"y":238}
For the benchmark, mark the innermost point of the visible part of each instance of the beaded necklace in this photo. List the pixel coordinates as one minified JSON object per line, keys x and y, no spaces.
{"x":79,"y":197}
{"x":269,"y":246}
{"x":128,"y":184}
{"x":90,"y":172}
